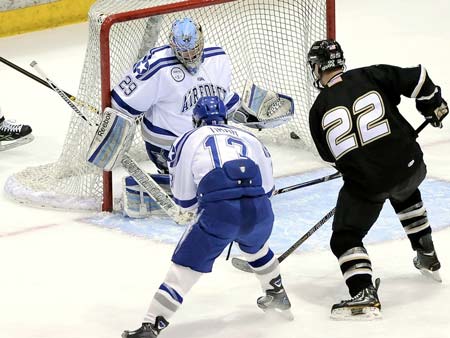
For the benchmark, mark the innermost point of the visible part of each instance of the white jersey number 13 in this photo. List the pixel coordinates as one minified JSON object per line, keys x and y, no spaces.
{"x":370,"y":124}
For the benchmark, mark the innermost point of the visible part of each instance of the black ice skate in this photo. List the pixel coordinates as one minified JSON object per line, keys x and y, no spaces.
{"x":147,"y":330}
{"x":276,"y":300}
{"x":13,"y":134}
{"x":364,"y":306}
{"x":426,"y":260}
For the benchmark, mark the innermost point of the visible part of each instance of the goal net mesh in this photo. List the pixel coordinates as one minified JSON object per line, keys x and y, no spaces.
{"x":267,"y":41}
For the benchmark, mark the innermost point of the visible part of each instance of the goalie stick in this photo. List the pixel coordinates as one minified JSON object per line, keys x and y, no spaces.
{"x":243,"y":265}
{"x":61,"y":93}
{"x":44,"y":83}
{"x":154,"y":190}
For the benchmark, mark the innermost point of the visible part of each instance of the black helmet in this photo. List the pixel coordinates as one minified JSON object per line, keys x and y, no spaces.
{"x":327,"y":54}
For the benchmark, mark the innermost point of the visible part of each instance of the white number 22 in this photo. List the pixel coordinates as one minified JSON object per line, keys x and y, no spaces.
{"x":370,"y":124}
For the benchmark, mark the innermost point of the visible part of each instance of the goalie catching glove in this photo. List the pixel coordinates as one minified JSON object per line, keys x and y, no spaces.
{"x":262,"y":109}
{"x":434,"y":108}
{"x":112,"y":139}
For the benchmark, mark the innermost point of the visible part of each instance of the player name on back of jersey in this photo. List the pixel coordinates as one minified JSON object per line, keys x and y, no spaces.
{"x":219,"y":130}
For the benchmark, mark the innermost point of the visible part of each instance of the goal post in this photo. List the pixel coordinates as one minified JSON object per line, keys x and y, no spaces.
{"x":267,"y":41}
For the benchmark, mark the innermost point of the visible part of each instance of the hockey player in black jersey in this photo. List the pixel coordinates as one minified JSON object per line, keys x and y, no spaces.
{"x":356,"y":125}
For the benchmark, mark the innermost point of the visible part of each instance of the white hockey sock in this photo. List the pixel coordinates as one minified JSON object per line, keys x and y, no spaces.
{"x":169,"y":297}
{"x":265,"y":265}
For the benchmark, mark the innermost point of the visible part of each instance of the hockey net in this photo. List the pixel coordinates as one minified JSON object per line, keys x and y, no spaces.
{"x":266,"y":40}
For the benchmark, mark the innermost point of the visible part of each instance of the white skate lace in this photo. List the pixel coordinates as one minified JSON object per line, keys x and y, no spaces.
{"x":10,"y":126}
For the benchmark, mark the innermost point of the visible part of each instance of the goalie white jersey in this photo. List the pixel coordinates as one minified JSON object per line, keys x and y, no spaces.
{"x":201,"y":150}
{"x":160,"y":88}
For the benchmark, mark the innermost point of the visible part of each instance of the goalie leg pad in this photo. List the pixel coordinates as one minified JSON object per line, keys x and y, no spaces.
{"x":112,"y":139}
{"x":136,"y":202}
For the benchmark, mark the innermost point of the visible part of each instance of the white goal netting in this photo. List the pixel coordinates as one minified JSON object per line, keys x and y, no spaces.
{"x":267,"y":41}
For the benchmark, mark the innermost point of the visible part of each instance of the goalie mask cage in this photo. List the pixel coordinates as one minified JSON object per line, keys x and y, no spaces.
{"x":267,"y":41}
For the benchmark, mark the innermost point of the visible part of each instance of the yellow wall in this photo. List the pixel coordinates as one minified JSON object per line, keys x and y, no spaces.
{"x":44,"y":16}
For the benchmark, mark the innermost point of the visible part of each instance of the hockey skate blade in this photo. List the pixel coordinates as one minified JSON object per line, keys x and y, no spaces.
{"x":358,"y":314}
{"x":17,"y":143}
{"x":240,"y":264}
{"x":433,"y":275}
{"x":277,"y":313}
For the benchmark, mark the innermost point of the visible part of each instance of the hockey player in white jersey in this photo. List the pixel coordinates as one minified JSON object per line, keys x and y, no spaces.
{"x":164,"y":86}
{"x":166,"y":83}
{"x":13,"y":134}
{"x":225,"y":174}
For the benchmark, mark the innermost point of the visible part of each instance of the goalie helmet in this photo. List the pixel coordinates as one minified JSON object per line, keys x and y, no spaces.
{"x":327,"y":55}
{"x":209,"y":110}
{"x":186,"y":41}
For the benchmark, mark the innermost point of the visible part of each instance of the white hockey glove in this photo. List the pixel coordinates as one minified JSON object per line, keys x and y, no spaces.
{"x":262,"y":109}
{"x":112,"y":139}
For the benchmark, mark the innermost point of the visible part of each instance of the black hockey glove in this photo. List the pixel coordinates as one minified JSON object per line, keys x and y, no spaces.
{"x":439,"y":114}
{"x":435,"y":109}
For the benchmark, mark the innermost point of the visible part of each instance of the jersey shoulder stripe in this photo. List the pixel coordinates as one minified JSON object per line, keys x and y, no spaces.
{"x":122,"y":104}
{"x":149,"y":70}
{"x":232,"y":102}
{"x":213,"y":49}
{"x":210,"y":52}
{"x":157,"y":49}
{"x":152,"y":54}
{"x":149,"y":66}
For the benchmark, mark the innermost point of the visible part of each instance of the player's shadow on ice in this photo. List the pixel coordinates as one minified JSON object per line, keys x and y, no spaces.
{"x":239,"y":323}
{"x":395,"y":290}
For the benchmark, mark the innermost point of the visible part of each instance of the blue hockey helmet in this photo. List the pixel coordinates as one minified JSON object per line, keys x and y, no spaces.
{"x":209,"y":110}
{"x":186,"y":40}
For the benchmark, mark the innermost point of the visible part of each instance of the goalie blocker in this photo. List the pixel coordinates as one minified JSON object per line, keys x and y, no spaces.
{"x":261,"y":108}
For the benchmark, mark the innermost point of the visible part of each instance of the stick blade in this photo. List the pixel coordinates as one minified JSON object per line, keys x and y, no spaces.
{"x":241,"y":264}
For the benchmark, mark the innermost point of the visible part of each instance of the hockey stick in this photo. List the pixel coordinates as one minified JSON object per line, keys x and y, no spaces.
{"x":422,"y":126}
{"x":44,"y":83}
{"x":244,"y":266}
{"x":307,"y":184}
{"x":60,"y":93}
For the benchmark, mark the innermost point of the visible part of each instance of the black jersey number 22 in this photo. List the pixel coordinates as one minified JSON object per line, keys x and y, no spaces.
{"x":370,"y":124}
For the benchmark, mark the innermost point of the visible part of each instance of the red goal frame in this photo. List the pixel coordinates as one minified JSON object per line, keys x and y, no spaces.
{"x":107,"y":204}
